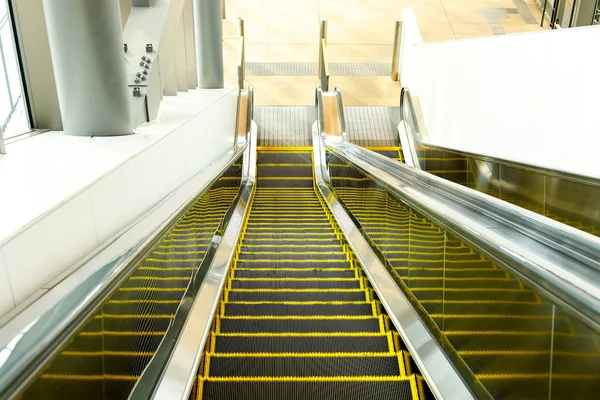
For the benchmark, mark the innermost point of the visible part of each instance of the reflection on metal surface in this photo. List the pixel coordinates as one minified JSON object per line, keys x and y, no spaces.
{"x":441,"y":377}
{"x":180,"y":372}
{"x":566,"y":198}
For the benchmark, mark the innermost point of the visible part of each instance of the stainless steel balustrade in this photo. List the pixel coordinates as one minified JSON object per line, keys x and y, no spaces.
{"x":556,"y":194}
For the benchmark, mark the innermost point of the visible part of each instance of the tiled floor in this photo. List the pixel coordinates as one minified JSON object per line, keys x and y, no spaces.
{"x":358,"y":31}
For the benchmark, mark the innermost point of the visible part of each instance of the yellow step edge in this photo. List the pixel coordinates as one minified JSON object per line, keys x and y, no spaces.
{"x":487,"y":316}
{"x":292,"y":355}
{"x":285,"y":149}
{"x":301,"y":334}
{"x":145,"y":268}
{"x":143,"y":301}
{"x":311,"y":268}
{"x":525,"y":353}
{"x":295,"y":279}
{"x":294,"y":317}
{"x":291,"y":261}
{"x":299,"y":302}
{"x":307,"y":379}
{"x":291,"y":252}
{"x":122,"y":333}
{"x":533,"y":376}
{"x":173,"y":260}
{"x":291,"y":290}
{"x":140,"y":289}
{"x":129,"y":316}
{"x":158,"y":278}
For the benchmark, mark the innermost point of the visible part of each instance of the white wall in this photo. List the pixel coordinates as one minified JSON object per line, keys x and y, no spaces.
{"x":63,"y":196}
{"x":531,"y":98}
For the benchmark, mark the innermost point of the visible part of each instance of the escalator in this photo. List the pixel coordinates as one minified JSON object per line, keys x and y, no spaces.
{"x":297,"y":317}
{"x":106,"y":357}
{"x":514,"y":342}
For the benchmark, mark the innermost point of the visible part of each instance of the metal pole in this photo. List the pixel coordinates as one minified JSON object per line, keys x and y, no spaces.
{"x":242,"y":56}
{"x":223,"y":9}
{"x":396,"y":50}
{"x":2,"y":146}
{"x":544,"y":13}
{"x":322,"y":55}
{"x":86,"y":46}
{"x":209,"y":43}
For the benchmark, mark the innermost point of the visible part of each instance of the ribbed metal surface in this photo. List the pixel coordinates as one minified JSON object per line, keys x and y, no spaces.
{"x":311,"y":68}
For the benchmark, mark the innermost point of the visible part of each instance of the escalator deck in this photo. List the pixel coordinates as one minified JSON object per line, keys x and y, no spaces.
{"x":298,"y":318}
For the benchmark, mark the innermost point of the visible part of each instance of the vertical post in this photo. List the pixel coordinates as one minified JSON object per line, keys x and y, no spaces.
{"x":242,"y":53}
{"x":209,"y":43}
{"x":223,"y":9}
{"x":323,"y":74}
{"x":86,"y":47}
{"x":2,"y":146}
{"x":396,"y":50}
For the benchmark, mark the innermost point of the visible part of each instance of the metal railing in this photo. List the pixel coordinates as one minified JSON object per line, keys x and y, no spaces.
{"x":323,"y":59}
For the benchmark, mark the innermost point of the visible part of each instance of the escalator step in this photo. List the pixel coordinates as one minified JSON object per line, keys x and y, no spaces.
{"x":114,"y":341}
{"x":296,"y":284}
{"x":350,"y":390}
{"x":141,"y":307}
{"x":486,"y":294}
{"x":292,"y":242}
{"x":292,"y":264}
{"x":508,"y":323}
{"x":298,"y":309}
{"x":150,"y":282}
{"x":167,"y":272}
{"x":284,"y":183}
{"x":296,"y":273}
{"x":337,"y":256}
{"x":257,"y":365}
{"x":354,"y":295}
{"x":145,"y":293}
{"x":300,"y":325}
{"x":302,"y":344}
{"x":99,"y":363}
{"x":488,"y":308}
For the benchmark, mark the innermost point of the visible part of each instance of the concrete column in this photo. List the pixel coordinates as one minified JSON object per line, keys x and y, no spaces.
{"x":86,"y":46}
{"x":209,"y":43}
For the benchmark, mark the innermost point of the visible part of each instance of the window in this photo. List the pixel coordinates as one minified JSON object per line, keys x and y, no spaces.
{"x":13,"y":116}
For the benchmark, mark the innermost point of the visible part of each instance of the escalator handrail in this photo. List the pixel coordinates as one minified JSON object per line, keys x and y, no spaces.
{"x":38,"y":333}
{"x":181,"y":370}
{"x":442,"y":378}
{"x":419,"y":139}
{"x":571,"y":282}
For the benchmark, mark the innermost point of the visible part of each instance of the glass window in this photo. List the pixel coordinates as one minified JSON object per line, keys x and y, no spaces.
{"x":13,"y":117}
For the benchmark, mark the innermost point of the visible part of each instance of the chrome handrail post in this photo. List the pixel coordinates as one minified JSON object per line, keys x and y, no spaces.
{"x":2,"y":146}
{"x":323,"y":67}
{"x":396,"y":51}
{"x":241,"y":54}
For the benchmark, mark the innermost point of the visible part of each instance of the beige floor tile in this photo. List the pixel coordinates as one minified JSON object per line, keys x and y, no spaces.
{"x":306,"y":52}
{"x":480,"y":29}
{"x":437,"y":37}
{"x":279,"y":52}
{"x":256,"y":52}
{"x":435,"y":27}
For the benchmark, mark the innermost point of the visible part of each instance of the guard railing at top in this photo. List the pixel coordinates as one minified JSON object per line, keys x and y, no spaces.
{"x":323,"y":59}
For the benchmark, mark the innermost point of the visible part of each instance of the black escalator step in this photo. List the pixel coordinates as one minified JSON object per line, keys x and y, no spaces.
{"x":347,"y":389}
{"x":229,"y":325}
{"x":114,"y":341}
{"x":134,"y":323}
{"x":289,"y":229}
{"x":250,"y":247}
{"x":487,"y":307}
{"x":302,"y":344}
{"x":368,"y":365}
{"x":155,"y":282}
{"x":284,"y":157}
{"x":141,"y":307}
{"x":486,"y":294}
{"x":297,"y":309}
{"x":295,"y":273}
{"x":274,"y":237}
{"x":510,"y":323}
{"x":338,"y":256}
{"x":176,"y":255}
{"x":284,"y":183}
{"x":295,"y":284}
{"x":285,"y":242}
{"x":356,"y":295}
{"x":99,"y":363}
{"x":314,"y":264}
{"x":455,"y":274}
{"x":69,"y":387}
{"x":146,"y":293}
{"x":284,"y":170}
{"x":165,"y":272}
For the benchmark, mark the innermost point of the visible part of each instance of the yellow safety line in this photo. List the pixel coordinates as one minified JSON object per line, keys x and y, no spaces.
{"x":524,"y":353}
{"x":122,"y":333}
{"x":292,"y":290}
{"x":530,"y":376}
{"x":137,"y":289}
{"x":129,"y":316}
{"x":159,"y":278}
{"x":306,"y":378}
{"x":294,"y":279}
{"x":309,"y":268}
{"x":303,"y":334}
{"x":302,"y":317}
{"x":144,"y":301}
{"x":290,"y":261}
{"x":284,"y":149}
{"x":413,"y":388}
{"x":292,"y":355}
{"x":304,"y":303}
{"x":144,"y":268}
